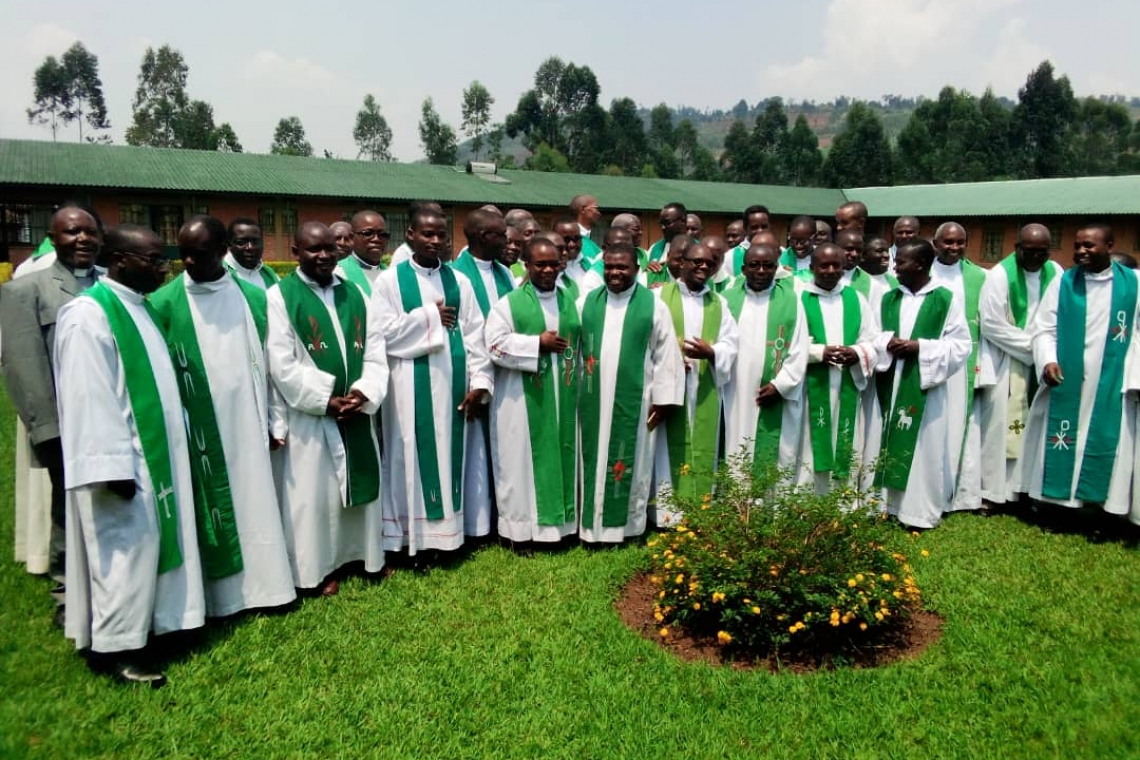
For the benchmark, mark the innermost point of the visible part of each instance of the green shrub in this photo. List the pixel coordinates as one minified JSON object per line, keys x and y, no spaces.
{"x":766,"y":567}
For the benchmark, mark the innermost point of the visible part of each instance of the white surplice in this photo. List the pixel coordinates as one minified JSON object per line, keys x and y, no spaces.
{"x":862,"y":372}
{"x":965,"y":438}
{"x":740,"y":409}
{"x":725,"y":348}
{"x":252,"y":276}
{"x":410,"y":335}
{"x":114,"y":595}
{"x":664,"y":386}
{"x":930,"y":486}
{"x":516,"y":356}
{"x":1098,"y":307}
{"x":234,"y":362}
{"x":1006,"y":352}
{"x":312,"y":467}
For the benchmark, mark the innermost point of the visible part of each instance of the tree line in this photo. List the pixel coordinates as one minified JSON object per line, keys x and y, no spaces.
{"x":957,"y":137}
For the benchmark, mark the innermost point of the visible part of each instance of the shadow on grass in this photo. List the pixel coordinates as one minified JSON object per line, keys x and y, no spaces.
{"x":1091,"y":523}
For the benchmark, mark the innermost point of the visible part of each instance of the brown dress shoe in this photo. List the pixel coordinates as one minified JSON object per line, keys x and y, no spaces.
{"x":331,"y":587}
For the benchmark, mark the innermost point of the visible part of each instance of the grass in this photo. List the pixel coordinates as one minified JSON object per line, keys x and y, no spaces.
{"x":503,"y":656}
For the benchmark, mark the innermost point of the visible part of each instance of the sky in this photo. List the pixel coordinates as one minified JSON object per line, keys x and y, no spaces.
{"x":256,"y":61}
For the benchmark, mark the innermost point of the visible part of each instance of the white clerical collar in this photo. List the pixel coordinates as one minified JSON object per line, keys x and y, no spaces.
{"x":364,"y":264}
{"x":486,"y":266}
{"x":624,"y":295}
{"x":225,"y":281}
{"x":929,"y":286}
{"x":811,"y":287}
{"x":124,"y":292}
{"x":687,"y":291}
{"x":584,"y":230}
{"x":81,"y":273}
{"x":316,"y":285}
{"x":1104,"y":274}
{"x":765,"y":292}
{"x":546,"y":295}
{"x":232,"y":261}
{"x":427,"y":271}
{"x":955,"y":268}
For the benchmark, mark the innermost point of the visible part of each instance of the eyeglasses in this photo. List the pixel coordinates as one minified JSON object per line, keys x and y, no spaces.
{"x":666,"y":222}
{"x":373,"y":233}
{"x":154,"y":261}
{"x":699,"y":263}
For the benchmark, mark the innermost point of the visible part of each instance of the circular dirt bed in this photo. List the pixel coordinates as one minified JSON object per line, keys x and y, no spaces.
{"x":635,"y":606}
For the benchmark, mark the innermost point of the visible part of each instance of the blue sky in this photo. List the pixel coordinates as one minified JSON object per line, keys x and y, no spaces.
{"x":258,"y":61}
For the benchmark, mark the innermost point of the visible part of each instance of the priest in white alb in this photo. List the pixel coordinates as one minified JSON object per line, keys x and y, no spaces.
{"x":327,"y":361}
{"x":246,"y":249}
{"x":1007,"y":308}
{"x":687,"y":449}
{"x":441,"y":375}
{"x":532,"y":338}
{"x":924,"y":342}
{"x":1080,"y":439}
{"x":132,"y":553}
{"x":841,"y":360}
{"x":633,"y":379}
{"x":216,"y":325}
{"x":763,"y":404}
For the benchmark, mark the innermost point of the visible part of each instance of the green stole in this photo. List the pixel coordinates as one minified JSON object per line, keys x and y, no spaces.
{"x":1018,"y":294}
{"x":973,"y":278}
{"x":626,"y":421}
{"x":658,"y":278}
{"x":781,"y":327}
{"x":903,"y":419}
{"x":695,"y":445}
{"x":826,"y":457}
{"x":551,"y":445}
{"x":268,"y":276}
{"x":570,"y":287}
{"x":503,"y":283}
{"x":738,"y":258}
{"x":590,"y":249}
{"x":218,"y":540}
{"x":310,"y":319}
{"x":518,"y":269}
{"x":1065,"y":399}
{"x":44,"y":249}
{"x":657,"y":251}
{"x":788,"y":258}
{"x":427,"y":456}
{"x":354,"y":273}
{"x":1021,"y":389}
{"x":861,"y":282}
{"x":146,"y":407}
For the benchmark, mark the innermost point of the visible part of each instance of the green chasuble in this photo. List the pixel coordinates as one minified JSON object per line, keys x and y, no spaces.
{"x":695,"y":445}
{"x":552,"y":417}
{"x":146,"y":407}
{"x":503,"y":283}
{"x":625,"y":405}
{"x":213,"y":500}
{"x":427,"y":456}
{"x":903,"y":419}
{"x":781,"y":326}
{"x":354,"y":273}
{"x":826,"y":456}
{"x":310,"y":320}
{"x":1065,"y":399}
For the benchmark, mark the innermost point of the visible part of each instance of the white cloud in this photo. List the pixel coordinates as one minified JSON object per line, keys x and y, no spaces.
{"x":268,"y":66}
{"x":1014,"y":57}
{"x":48,"y":39}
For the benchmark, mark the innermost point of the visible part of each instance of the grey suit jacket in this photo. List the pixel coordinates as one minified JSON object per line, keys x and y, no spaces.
{"x":28,"y":309}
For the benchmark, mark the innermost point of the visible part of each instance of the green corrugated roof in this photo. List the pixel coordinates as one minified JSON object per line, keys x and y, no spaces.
{"x":1077,"y":195}
{"x":76,"y":165}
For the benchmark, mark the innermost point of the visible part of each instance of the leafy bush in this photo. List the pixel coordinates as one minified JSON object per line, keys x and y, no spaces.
{"x":766,"y":567}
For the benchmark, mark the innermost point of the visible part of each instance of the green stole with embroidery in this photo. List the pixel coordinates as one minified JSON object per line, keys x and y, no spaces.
{"x":427,"y":455}
{"x":696,"y":444}
{"x":827,"y":457}
{"x":310,"y":320}
{"x":1103,"y":435}
{"x":1021,"y":389}
{"x":218,"y":540}
{"x":554,"y":447}
{"x":503,"y":284}
{"x":146,"y":408}
{"x":625,"y":405}
{"x":778,"y":337}
{"x":903,"y":419}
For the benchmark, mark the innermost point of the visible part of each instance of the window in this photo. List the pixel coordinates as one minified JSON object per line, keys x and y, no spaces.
{"x":1055,"y":231}
{"x":169,"y":222}
{"x":202,"y":210}
{"x":397,"y":227}
{"x":134,"y":213}
{"x":993,"y":239}
{"x":267,"y":220}
{"x":25,"y":224}
{"x":288,"y":221}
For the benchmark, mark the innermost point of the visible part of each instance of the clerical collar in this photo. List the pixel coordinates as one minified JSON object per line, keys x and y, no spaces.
{"x":686,"y":290}
{"x":811,"y":287}
{"x":929,"y":286}
{"x":748,"y":288}
{"x":232,"y":261}
{"x":81,"y":273}
{"x":314,"y":284}
{"x":1104,"y":274}
{"x":546,"y":295}
{"x":429,"y":271}
{"x":623,"y":294}
{"x":364,"y":264}
{"x":485,"y":265}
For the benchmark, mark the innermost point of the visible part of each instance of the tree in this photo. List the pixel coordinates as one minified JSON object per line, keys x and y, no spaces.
{"x":562,"y":111}
{"x":195,"y":127}
{"x":860,"y":156}
{"x":662,"y":140}
{"x":1100,"y":138}
{"x":799,"y":157}
{"x":997,"y":141}
{"x":1042,"y":118}
{"x":85,"y":89}
{"x":627,"y":144}
{"x":476,"y":113}
{"x":495,"y":146}
{"x":52,"y":95}
{"x":547,"y":159}
{"x":739,"y":160}
{"x":159,"y":99}
{"x":437,"y":138}
{"x":371,"y":133}
{"x":227,"y":139}
{"x":289,"y":139}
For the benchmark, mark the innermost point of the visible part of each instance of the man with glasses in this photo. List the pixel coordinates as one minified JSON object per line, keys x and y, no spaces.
{"x":586,"y":211}
{"x":672,"y":222}
{"x":133,"y":564}
{"x":246,"y":248}
{"x":577,"y":268}
{"x":369,"y":244}
{"x":796,"y":258}
{"x":686,"y":452}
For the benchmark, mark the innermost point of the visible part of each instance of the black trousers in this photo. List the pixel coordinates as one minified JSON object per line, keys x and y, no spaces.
{"x":49,"y":454}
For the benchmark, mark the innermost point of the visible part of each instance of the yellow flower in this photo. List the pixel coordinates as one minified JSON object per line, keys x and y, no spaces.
{"x":859,"y":577}
{"x":697,"y":606}
{"x":851,"y":582}
{"x":658,"y":617}
{"x":879,"y":616}
{"x":679,"y":579}
{"x":748,"y":601}
{"x":925,"y":553}
{"x":686,"y":469}
{"x":717,"y":597}
{"x":886,"y":576}
{"x":755,"y":610}
{"x":664,"y":633}
{"x":862,"y":626}
{"x":724,"y":637}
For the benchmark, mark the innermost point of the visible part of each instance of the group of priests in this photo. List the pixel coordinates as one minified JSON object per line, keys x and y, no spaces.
{"x":219,"y":441}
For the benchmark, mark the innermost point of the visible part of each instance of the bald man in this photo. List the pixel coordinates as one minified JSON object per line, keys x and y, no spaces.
{"x":370,"y":238}
{"x":586,"y":211}
{"x":342,"y":233}
{"x":851,"y":215}
{"x":327,"y":359}
{"x":632,"y":223}
{"x":1007,"y":308}
{"x":214,"y":323}
{"x":905,"y":228}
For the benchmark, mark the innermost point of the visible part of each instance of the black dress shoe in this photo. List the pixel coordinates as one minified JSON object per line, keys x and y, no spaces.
{"x":132,"y":673}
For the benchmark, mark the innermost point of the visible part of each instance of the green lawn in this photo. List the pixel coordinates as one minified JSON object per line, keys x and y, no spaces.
{"x":510,"y":657}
